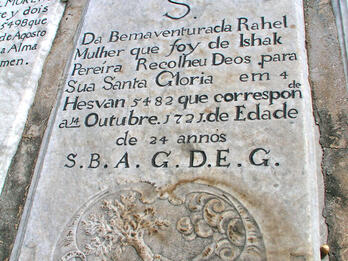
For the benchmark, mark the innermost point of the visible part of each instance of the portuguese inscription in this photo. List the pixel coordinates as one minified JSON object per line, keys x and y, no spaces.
{"x":185,"y":70}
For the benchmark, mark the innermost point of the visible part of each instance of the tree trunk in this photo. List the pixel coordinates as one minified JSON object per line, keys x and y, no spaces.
{"x":142,"y":249}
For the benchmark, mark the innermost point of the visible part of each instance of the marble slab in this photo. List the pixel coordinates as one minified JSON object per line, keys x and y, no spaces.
{"x":184,"y":131}
{"x":27,"y":30}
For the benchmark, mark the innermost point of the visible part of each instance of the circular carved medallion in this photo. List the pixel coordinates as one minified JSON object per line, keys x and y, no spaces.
{"x":139,"y":222}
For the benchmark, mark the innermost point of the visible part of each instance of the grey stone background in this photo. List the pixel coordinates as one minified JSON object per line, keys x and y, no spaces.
{"x":331,"y":113}
{"x":327,"y":78}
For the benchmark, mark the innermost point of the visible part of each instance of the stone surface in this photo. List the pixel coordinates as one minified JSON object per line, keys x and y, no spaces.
{"x":330,"y":102}
{"x":257,"y":173}
{"x":27,"y":30}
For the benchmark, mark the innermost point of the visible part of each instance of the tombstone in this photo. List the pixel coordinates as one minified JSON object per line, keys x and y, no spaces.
{"x":184,"y":131}
{"x":27,"y":31}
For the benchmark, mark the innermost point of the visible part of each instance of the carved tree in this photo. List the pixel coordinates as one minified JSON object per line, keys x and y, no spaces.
{"x":120,"y":224}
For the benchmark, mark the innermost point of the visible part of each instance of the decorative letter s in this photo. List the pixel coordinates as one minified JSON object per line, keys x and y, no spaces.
{"x":178,"y":3}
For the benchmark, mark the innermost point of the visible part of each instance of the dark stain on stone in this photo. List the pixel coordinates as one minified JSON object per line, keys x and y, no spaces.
{"x":331,"y":130}
{"x":334,"y":191}
{"x":208,"y":181}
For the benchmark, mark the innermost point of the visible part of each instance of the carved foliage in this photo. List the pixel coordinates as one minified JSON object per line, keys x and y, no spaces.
{"x":212,"y":217}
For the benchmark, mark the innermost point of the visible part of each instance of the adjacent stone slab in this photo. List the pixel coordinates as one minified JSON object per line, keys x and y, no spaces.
{"x":184,"y":131}
{"x":341,"y":12}
{"x":27,"y":29}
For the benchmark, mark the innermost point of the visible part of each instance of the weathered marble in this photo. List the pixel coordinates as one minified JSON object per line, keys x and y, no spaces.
{"x":27,"y":30}
{"x":341,"y":12}
{"x":241,"y":186}
{"x":18,"y":180}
